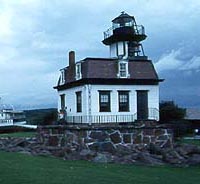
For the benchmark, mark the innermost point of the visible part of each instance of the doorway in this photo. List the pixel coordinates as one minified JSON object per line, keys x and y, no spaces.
{"x":142,"y":104}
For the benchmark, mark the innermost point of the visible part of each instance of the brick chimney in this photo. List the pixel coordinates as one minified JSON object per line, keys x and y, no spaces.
{"x":71,"y":58}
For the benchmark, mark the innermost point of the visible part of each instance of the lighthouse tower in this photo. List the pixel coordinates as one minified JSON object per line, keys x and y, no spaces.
{"x":124,"y":38}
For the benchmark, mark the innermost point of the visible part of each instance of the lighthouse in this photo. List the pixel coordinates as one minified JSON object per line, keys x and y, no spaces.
{"x":124,"y":38}
{"x":122,"y":88}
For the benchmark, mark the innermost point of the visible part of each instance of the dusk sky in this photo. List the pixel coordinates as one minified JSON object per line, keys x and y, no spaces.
{"x":36,"y":36}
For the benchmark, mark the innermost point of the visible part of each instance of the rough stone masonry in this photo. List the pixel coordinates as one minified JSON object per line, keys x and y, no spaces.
{"x":141,"y":143}
{"x":105,"y":137}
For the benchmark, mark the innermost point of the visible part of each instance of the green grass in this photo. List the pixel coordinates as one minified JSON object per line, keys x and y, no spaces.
{"x":18,"y":168}
{"x":19,"y":134}
{"x":190,"y":141}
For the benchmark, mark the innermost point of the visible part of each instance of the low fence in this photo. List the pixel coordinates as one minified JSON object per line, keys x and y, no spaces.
{"x":101,"y":119}
{"x":153,"y":114}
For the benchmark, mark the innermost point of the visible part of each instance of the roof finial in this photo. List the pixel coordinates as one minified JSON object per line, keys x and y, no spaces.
{"x":123,"y":12}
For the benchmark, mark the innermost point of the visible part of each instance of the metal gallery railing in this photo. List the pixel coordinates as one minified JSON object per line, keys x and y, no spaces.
{"x":137,"y":30}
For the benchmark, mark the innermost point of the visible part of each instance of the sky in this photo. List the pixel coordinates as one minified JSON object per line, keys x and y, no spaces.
{"x":36,"y":36}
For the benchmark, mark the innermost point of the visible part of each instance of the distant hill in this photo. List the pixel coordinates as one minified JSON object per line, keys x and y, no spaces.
{"x":193,"y":114}
{"x":40,"y":116}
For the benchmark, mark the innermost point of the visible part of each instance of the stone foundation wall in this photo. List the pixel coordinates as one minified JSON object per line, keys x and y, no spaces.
{"x":105,"y":138}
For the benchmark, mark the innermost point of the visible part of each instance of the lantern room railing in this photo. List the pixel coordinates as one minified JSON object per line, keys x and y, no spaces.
{"x":137,"y":30}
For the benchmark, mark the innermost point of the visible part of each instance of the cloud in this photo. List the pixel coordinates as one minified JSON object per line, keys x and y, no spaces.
{"x":175,"y":61}
{"x":193,"y":64}
{"x":5,"y":25}
{"x":36,"y":36}
{"x":169,"y":61}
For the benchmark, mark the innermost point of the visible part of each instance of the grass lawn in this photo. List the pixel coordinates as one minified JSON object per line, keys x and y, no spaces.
{"x":190,"y":141}
{"x":18,"y":168}
{"x":18,"y":134}
{"x":195,"y":142}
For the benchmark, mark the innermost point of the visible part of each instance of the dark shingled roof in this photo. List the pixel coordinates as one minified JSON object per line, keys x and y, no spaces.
{"x":107,"y":68}
{"x":123,"y":16}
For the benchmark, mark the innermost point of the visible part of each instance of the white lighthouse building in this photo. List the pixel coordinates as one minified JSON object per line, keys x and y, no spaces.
{"x":119,"y":89}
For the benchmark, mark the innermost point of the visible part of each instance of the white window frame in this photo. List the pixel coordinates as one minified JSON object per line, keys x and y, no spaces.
{"x":78,"y":71}
{"x":62,"y":76}
{"x":120,"y":69}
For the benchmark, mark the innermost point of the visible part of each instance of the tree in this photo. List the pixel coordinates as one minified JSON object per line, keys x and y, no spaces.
{"x":169,"y":111}
{"x":50,"y":118}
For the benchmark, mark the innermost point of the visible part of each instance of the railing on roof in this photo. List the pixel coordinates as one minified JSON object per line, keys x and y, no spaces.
{"x":6,"y":121}
{"x":137,"y":30}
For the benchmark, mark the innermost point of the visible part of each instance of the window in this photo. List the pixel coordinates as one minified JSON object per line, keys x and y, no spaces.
{"x":123,"y":101}
{"x":78,"y":71}
{"x":78,"y":101}
{"x":123,"y":70}
{"x":62,"y":101}
{"x":62,"y":77}
{"x":104,"y":101}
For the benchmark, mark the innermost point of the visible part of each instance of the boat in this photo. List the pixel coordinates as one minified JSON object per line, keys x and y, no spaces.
{"x":11,"y":117}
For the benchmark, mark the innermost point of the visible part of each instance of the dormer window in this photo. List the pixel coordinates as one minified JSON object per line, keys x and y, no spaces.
{"x":78,"y":71}
{"x":62,"y":77}
{"x":123,"y":69}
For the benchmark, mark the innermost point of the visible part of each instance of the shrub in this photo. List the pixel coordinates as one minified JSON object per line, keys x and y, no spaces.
{"x":169,"y":111}
{"x":49,"y":118}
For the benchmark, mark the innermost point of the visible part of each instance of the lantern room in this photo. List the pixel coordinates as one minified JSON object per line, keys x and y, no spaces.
{"x":124,"y":37}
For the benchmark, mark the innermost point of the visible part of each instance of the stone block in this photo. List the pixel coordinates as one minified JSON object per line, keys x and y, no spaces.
{"x":95,"y":146}
{"x":53,"y":141}
{"x":167,"y":144}
{"x":163,"y":138}
{"x":116,"y":138}
{"x":99,"y":135}
{"x":103,"y":158}
{"x":159,"y":132}
{"x":148,"y":159}
{"x":87,"y":154}
{"x":124,"y":131}
{"x":110,"y":131}
{"x":137,"y":139}
{"x":54,"y":131}
{"x":88,"y":140}
{"x":82,"y":133}
{"x":61,"y":130}
{"x":102,"y":147}
{"x":146,"y":140}
{"x":71,"y":137}
{"x":152,"y":139}
{"x":122,"y":149}
{"x":148,"y":131}
{"x":107,"y":147}
{"x":194,"y":160}
{"x":127,"y":138}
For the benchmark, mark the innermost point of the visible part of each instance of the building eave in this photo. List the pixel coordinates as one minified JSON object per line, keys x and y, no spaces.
{"x":108,"y":82}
